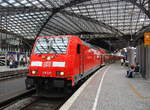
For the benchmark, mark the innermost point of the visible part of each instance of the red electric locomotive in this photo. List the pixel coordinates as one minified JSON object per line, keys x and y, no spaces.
{"x":61,"y":61}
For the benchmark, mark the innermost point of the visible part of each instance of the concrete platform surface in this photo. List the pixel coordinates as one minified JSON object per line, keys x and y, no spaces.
{"x":109,"y":89}
{"x":10,"y":88}
{"x":6,"y":68}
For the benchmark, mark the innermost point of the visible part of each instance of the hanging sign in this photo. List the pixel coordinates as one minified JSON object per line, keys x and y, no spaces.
{"x":146,"y":38}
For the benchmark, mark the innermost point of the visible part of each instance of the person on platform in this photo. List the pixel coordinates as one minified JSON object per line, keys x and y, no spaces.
{"x":11,"y":61}
{"x":24,"y":61}
{"x":130,"y":72}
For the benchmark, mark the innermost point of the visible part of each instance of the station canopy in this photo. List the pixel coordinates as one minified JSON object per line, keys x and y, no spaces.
{"x":103,"y":22}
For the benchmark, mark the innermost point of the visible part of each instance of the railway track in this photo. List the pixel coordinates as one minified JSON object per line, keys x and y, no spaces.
{"x":43,"y":103}
{"x":13,"y":100}
{"x":54,"y":102}
{"x":12,"y":74}
{"x":30,"y":101}
{"x":37,"y":103}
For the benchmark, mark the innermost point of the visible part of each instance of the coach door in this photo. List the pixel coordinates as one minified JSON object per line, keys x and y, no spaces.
{"x":81,"y":58}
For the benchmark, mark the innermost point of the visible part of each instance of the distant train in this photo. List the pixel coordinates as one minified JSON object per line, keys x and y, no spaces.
{"x":62,"y":61}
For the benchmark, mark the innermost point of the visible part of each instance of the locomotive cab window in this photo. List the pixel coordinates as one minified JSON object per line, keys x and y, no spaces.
{"x":51,"y":45}
{"x":78,"y":48}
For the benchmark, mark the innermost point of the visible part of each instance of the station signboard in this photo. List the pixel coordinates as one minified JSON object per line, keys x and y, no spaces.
{"x":147,"y":38}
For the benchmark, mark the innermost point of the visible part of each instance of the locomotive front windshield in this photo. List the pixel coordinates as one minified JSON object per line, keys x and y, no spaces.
{"x":51,"y":45}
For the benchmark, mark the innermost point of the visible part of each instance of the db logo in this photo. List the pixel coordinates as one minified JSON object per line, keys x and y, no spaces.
{"x":47,"y":64}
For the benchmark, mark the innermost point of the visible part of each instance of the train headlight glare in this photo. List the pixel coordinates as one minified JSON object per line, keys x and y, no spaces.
{"x":49,"y":58}
{"x":34,"y":72}
{"x":61,"y":73}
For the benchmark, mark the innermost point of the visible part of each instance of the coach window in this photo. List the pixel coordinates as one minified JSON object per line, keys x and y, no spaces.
{"x":78,"y":48}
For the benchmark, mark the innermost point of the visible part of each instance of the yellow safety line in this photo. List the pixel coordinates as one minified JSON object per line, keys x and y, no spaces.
{"x":136,"y":92}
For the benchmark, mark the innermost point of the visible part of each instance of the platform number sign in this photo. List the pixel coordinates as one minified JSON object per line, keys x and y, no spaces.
{"x":146,"y":38}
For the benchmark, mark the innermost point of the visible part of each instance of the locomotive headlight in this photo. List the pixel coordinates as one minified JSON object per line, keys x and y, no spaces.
{"x":34,"y":72}
{"x":61,"y":73}
{"x":49,"y":58}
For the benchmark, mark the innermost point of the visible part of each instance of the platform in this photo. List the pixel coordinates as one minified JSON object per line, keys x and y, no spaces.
{"x":6,"y":68}
{"x":109,"y":89}
{"x":11,"y":88}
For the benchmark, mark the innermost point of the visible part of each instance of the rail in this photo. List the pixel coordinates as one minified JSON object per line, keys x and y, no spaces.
{"x":12,"y":74}
{"x":12,"y":100}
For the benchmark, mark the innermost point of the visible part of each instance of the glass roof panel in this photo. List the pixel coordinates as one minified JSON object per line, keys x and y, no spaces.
{"x":111,"y":12}
{"x":4,"y":4}
{"x":11,"y":1}
{"x":23,"y":1}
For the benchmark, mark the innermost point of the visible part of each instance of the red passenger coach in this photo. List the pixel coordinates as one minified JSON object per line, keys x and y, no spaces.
{"x":61,"y":61}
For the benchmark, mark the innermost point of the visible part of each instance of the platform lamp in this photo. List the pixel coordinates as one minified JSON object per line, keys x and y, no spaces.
{"x":131,"y":37}
{"x":131,"y":13}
